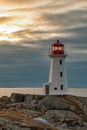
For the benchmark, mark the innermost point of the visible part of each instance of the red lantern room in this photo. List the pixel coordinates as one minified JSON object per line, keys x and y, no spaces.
{"x":58,"y":48}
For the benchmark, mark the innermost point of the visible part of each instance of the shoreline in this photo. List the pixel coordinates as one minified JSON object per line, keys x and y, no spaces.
{"x":39,"y":91}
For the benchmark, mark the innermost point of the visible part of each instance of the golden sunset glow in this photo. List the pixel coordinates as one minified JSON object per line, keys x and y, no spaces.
{"x":35,"y":20}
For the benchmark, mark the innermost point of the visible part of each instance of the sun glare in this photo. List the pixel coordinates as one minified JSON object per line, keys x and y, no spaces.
{"x":3,"y":38}
{"x":7,"y":30}
{"x":16,"y":25}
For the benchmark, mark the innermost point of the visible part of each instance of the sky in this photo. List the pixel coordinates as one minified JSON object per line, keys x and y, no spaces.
{"x":27,"y":30}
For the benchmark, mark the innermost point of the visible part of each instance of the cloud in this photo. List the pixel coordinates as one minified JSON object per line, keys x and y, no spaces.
{"x":71,"y":19}
{"x":14,"y":1}
{"x":18,"y":64}
{"x":32,"y":3}
{"x":27,"y":30}
{"x":6,"y":19}
{"x":61,"y":6}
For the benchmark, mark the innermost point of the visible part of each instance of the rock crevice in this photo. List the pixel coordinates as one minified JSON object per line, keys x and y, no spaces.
{"x":38,"y":112}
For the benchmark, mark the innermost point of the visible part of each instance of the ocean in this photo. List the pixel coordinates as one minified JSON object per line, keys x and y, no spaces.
{"x":72,"y":91}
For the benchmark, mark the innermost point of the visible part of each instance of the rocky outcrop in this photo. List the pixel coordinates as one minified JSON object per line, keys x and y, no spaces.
{"x":57,"y":103}
{"x":39,"y":112}
{"x":17,"y":97}
{"x":59,"y":117}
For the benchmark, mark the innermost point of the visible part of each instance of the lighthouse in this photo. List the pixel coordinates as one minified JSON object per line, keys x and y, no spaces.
{"x":57,"y":84}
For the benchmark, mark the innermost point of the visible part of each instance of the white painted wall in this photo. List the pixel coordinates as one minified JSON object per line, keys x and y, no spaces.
{"x":54,"y":76}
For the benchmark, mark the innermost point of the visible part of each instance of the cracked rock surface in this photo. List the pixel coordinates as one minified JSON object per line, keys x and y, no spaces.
{"x":38,"y":112}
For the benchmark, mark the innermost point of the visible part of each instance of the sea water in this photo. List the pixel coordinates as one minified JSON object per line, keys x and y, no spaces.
{"x":8,"y":91}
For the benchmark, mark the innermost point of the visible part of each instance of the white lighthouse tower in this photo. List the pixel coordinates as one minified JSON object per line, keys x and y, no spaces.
{"x":57,"y":84}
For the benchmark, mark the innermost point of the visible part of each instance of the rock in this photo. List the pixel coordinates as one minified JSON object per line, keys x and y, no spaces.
{"x":81,"y":103}
{"x":23,"y":105}
{"x":29,"y":97}
{"x":15,"y":106}
{"x":4,"y":99}
{"x":85,"y":124}
{"x":12,"y":127}
{"x":38,"y":97}
{"x":17,"y":97}
{"x":56,"y":103}
{"x":39,"y":112}
{"x":32,"y":113}
{"x":40,"y":120}
{"x":60,"y":117}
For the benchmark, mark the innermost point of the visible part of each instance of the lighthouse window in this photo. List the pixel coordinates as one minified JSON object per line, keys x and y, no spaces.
{"x":55,"y":88}
{"x":61,"y":74}
{"x":61,"y":86}
{"x":60,"y":62}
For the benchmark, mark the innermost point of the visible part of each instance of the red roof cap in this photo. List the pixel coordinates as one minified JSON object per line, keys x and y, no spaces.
{"x":57,"y":43}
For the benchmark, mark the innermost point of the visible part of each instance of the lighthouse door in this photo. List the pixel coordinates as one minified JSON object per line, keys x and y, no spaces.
{"x":47,"y":89}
